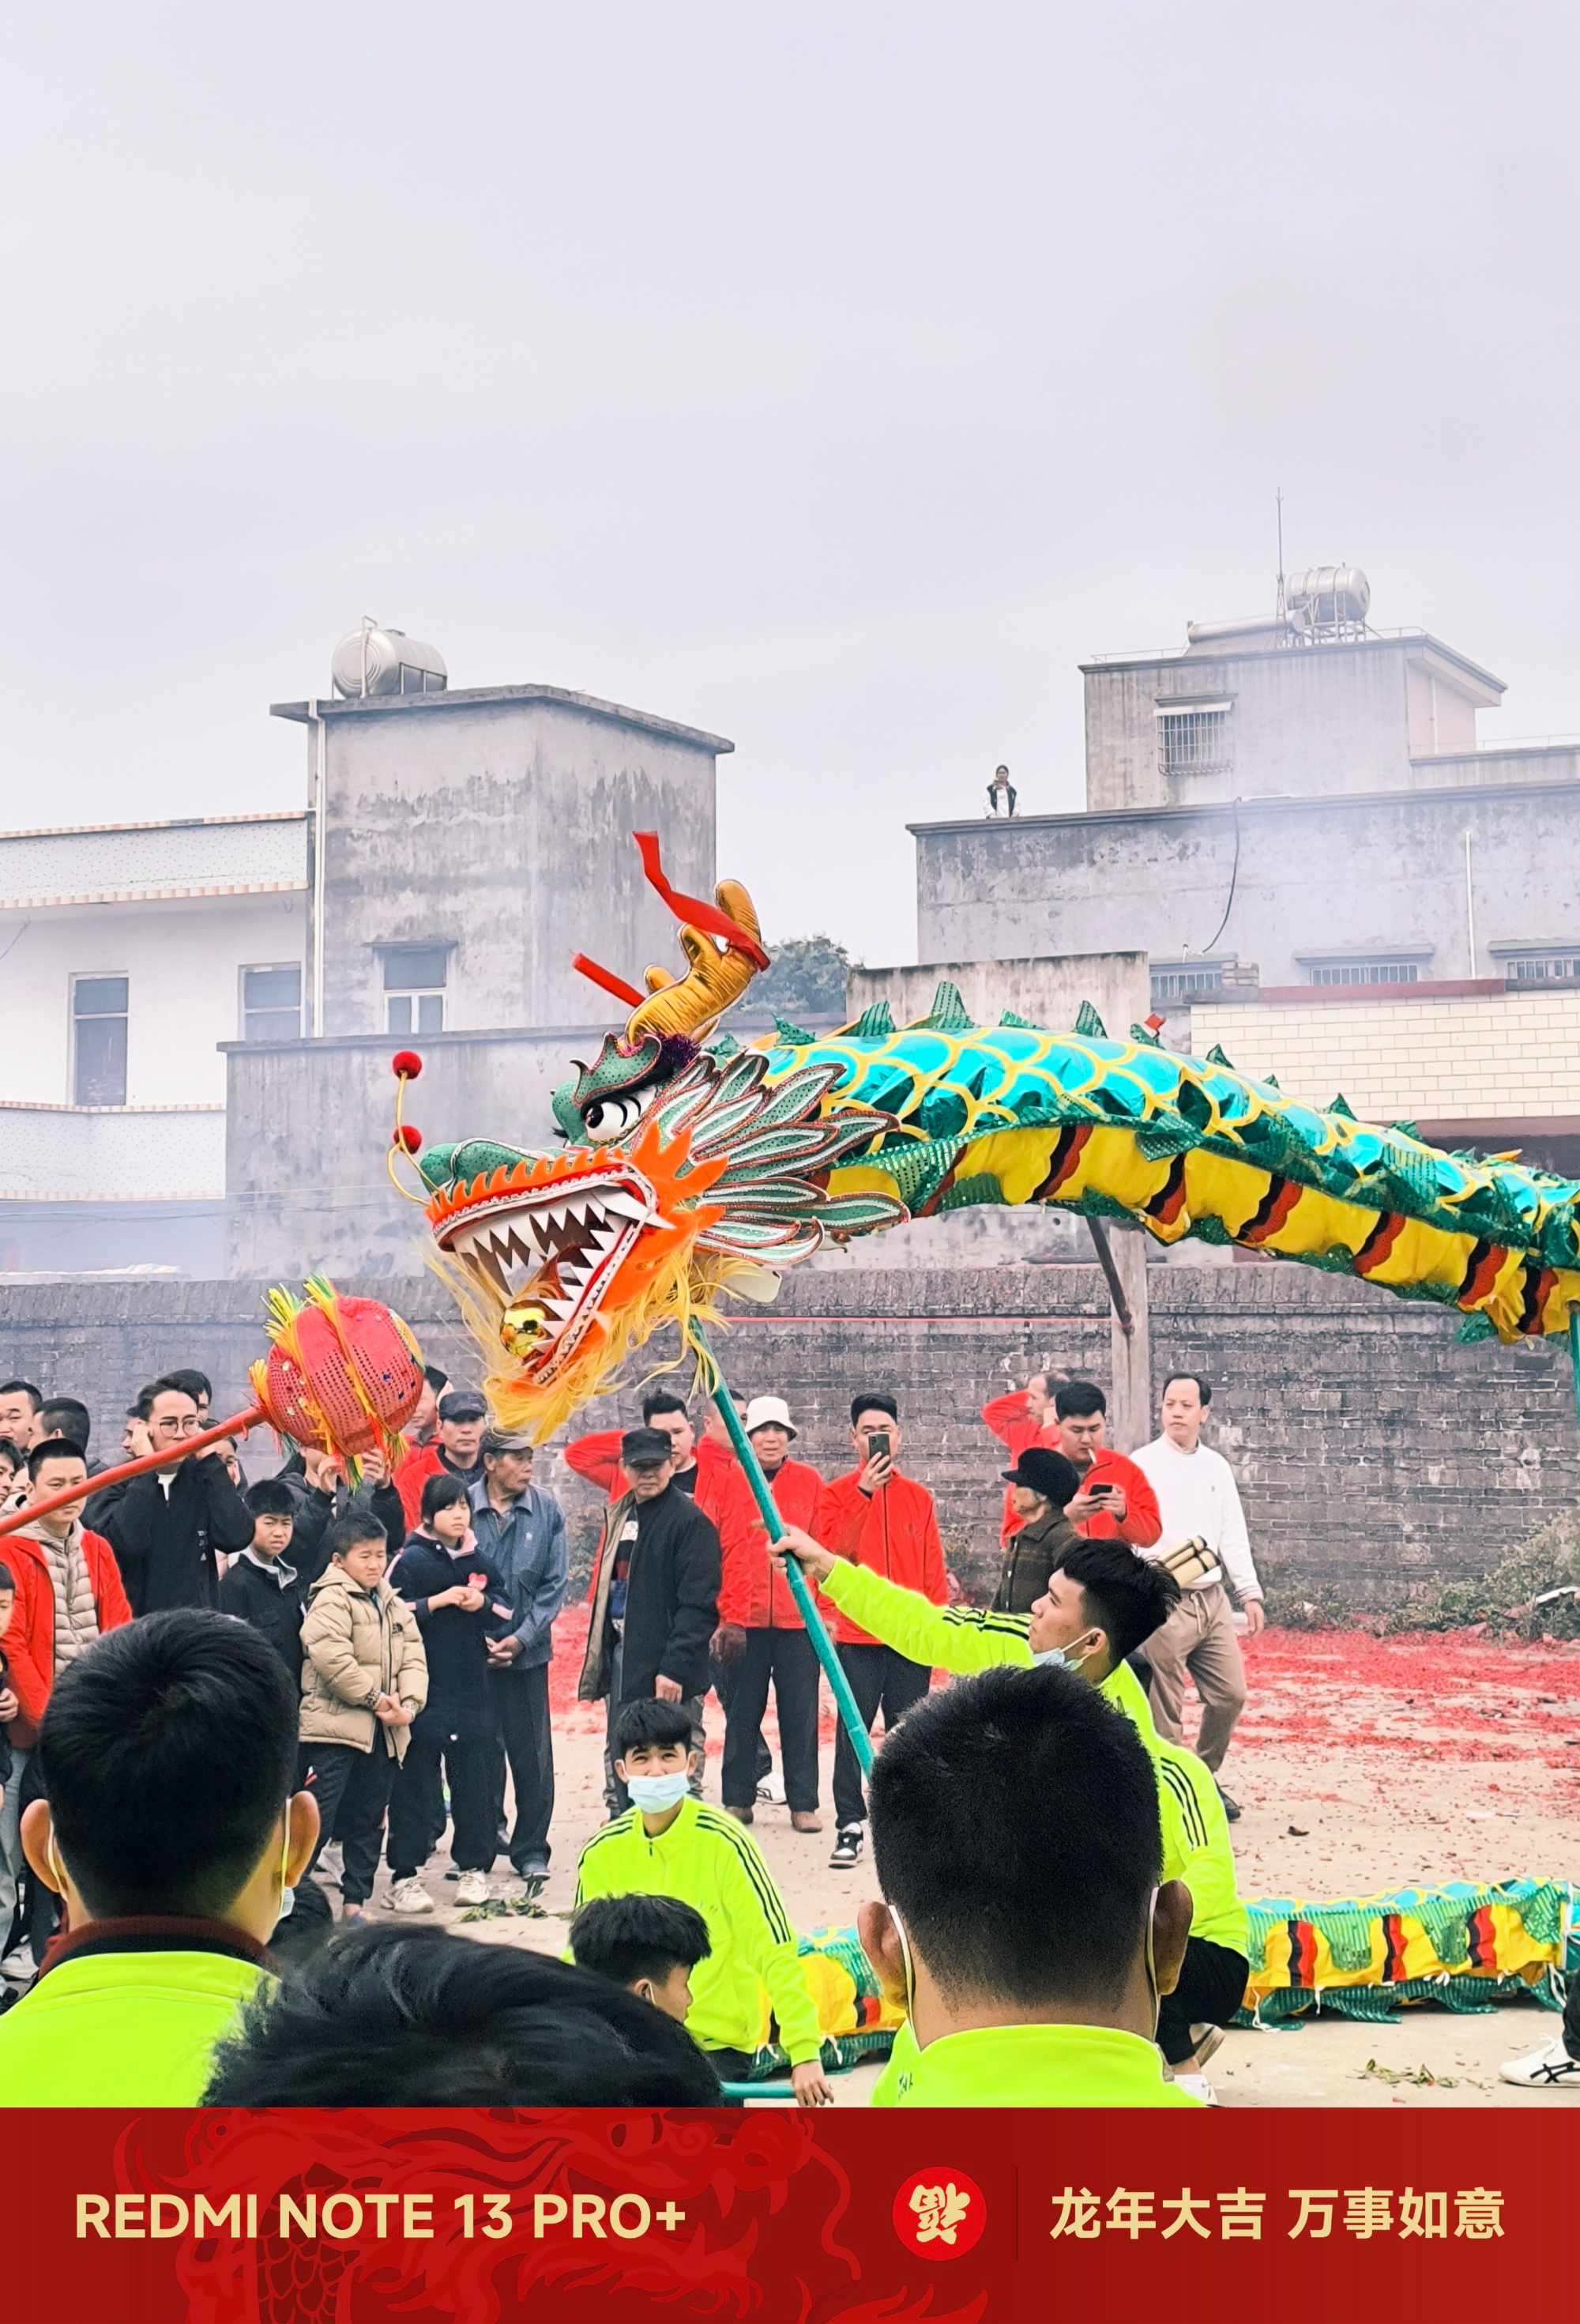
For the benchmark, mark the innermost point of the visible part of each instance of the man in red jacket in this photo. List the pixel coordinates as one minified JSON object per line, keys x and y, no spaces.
{"x":68,"y":1593}
{"x":876,"y":1518}
{"x":755,"y":1602}
{"x":1116,"y":1500}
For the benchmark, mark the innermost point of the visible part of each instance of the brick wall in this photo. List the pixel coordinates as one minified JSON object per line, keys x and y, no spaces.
{"x":1514,"y":1055}
{"x":1374,"y":1454}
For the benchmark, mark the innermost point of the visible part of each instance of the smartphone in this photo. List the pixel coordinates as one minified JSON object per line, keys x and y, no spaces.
{"x":877,"y":1442}
{"x":1099,"y":1493}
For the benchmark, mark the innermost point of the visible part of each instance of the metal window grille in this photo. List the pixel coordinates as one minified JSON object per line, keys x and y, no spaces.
{"x":1195,"y":742}
{"x":1176,"y":984}
{"x":98,"y":1040}
{"x":1545,"y":968}
{"x":272,"y":1003}
{"x":1367,"y":972}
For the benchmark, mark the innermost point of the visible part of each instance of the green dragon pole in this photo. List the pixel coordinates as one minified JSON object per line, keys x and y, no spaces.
{"x":822,"y":1645}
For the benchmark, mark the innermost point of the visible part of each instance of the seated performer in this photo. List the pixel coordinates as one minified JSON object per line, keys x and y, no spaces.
{"x":648,"y":1944}
{"x":1102,"y":1604}
{"x":1017,"y":1839}
{"x":669,"y":1843}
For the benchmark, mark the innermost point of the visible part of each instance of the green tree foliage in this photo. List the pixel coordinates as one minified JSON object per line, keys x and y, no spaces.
{"x":808,"y":973}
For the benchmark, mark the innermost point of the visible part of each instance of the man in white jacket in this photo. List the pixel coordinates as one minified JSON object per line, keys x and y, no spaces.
{"x":1198,"y":1499}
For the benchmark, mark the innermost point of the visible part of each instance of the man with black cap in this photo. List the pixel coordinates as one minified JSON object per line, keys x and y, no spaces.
{"x":1041,"y":1483}
{"x":655,"y":1599}
{"x":457,"y":1449}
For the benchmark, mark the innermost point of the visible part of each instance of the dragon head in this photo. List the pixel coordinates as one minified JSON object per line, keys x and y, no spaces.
{"x":686,"y":1175}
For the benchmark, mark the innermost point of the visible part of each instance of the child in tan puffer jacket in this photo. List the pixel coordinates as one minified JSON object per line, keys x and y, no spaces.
{"x":364,"y":1679}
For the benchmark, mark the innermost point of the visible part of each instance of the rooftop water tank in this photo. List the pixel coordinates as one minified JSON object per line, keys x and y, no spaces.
{"x":376,"y":660}
{"x":1328,"y":597}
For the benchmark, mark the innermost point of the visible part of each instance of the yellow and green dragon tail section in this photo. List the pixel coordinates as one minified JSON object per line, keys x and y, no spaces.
{"x":1188,"y":1147}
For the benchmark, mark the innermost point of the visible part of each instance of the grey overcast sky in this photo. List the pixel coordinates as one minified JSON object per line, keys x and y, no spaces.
{"x":832,"y":373}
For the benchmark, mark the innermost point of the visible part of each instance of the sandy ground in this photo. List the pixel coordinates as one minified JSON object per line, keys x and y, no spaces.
{"x":1360,"y":1765}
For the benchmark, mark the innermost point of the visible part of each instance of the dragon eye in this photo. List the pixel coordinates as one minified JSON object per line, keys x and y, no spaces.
{"x":606,"y":1117}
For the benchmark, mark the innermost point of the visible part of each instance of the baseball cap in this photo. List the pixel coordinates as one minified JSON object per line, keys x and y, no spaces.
{"x":462,"y":1404}
{"x":644,"y":1448}
{"x":496,"y":1441}
{"x":1042,"y":1471}
{"x":768,"y":1412}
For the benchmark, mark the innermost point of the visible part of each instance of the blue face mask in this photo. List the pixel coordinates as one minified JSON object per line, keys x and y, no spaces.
{"x":654,"y":1793}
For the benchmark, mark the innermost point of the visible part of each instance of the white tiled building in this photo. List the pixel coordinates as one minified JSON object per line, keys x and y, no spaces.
{"x":128,"y":952}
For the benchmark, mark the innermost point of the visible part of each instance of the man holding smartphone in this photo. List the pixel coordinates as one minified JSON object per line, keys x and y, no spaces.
{"x":1116,"y":1500}
{"x":875,"y":1517}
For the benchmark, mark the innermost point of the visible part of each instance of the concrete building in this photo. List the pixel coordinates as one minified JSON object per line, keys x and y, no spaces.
{"x":129,"y":952}
{"x":473,"y":842}
{"x":1297,"y":802}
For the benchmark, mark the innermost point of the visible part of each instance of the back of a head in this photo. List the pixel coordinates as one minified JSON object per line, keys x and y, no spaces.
{"x":1016,"y":1833}
{"x":67,"y":1415}
{"x":1078,"y":1399}
{"x":166,"y":1753}
{"x":638,"y":1936}
{"x":1129,"y":1596}
{"x":420,"y":2017}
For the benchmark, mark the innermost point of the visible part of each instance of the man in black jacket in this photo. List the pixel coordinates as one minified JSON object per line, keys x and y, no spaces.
{"x":168,"y":1527}
{"x":655,"y":1599}
{"x":320,"y":1493}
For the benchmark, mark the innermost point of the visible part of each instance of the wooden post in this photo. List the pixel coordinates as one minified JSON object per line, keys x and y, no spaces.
{"x":1122,"y":1253}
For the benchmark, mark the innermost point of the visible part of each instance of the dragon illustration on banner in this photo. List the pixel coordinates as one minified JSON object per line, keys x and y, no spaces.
{"x":695,"y":1166}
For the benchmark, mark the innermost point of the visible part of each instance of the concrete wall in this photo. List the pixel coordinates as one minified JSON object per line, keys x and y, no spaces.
{"x":497,"y":821}
{"x":1335,"y":874}
{"x":1310,"y":719}
{"x":1049,"y":991}
{"x":1375,"y":1455}
{"x":308,"y":1129}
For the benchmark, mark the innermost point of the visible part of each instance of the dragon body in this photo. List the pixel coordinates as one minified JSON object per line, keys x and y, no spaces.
{"x":693,"y":1167}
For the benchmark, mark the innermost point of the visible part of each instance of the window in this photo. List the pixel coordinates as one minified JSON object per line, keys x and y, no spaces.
{"x":98,"y":1040}
{"x":1194,"y":738}
{"x":1367,"y":972}
{"x":1179,"y":983}
{"x":415,"y":976}
{"x":272,"y":1003}
{"x":1544,"y":968}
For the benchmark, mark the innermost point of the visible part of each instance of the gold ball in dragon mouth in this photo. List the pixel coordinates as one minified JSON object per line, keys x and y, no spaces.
{"x":523,"y":1328}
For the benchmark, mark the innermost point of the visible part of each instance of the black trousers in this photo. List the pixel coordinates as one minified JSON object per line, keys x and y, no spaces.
{"x":522,"y":1735}
{"x":1572,"y":2019}
{"x":352,"y":1788}
{"x":880,"y":1680}
{"x":457,"y":1738}
{"x":1211,"y":1988}
{"x":785,"y":1656}
{"x":724,"y":1688}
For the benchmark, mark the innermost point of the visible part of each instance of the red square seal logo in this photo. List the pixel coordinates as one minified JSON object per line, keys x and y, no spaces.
{"x":939,"y":2213}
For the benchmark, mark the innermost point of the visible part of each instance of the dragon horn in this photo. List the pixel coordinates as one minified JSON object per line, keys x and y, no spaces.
{"x":714,"y":979}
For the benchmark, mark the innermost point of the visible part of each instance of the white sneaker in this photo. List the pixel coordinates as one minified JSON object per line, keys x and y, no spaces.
{"x":331,"y":1866}
{"x":19,"y":1964}
{"x":771,"y":1790}
{"x":471,"y":1888}
{"x":1550,"y":2067}
{"x":1198,"y":2086}
{"x":408,"y":1896}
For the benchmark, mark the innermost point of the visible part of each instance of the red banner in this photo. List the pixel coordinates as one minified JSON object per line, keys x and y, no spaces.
{"x":793,"y":2219}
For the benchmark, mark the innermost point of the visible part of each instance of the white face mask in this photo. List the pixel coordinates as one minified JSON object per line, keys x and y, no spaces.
{"x":1070,"y":1658}
{"x":654,"y":1793}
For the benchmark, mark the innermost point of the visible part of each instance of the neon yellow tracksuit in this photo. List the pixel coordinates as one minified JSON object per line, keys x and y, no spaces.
{"x":706,"y":1860}
{"x":965,"y":1638}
